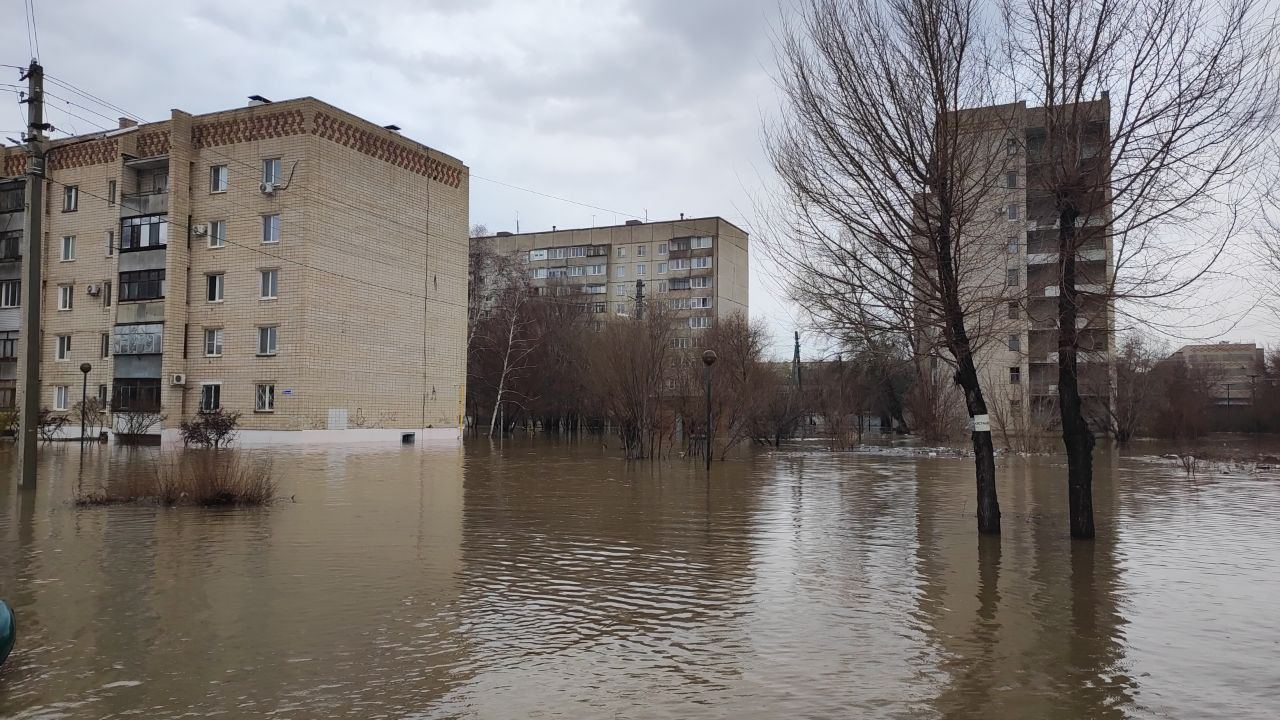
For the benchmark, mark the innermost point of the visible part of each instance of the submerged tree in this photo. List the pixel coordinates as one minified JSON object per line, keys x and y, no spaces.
{"x":889,"y":185}
{"x":1152,"y":113}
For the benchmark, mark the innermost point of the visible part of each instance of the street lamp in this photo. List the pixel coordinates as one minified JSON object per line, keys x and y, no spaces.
{"x":709,"y":359}
{"x":84,"y":397}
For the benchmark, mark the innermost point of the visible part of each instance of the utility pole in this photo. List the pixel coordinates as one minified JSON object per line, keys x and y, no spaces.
{"x":639,"y":300}
{"x":32,"y":234}
{"x":795,"y":362}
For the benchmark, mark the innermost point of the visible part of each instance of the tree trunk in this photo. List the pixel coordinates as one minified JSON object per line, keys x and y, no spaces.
{"x":1076,"y":435}
{"x":984,"y":459}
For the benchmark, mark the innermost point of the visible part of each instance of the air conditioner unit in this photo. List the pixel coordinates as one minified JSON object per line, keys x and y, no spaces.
{"x":178,"y":379}
{"x":267,"y":188}
{"x":93,"y":289}
{"x":200,"y":229}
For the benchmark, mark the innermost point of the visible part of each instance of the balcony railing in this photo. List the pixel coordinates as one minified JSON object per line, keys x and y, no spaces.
{"x":154,"y":203}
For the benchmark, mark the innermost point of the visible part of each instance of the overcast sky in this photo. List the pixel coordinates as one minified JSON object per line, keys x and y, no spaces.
{"x":637,"y":106}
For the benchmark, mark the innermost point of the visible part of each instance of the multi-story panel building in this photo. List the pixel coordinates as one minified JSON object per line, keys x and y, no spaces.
{"x":289,"y":261}
{"x":1018,"y":362}
{"x":697,"y":267}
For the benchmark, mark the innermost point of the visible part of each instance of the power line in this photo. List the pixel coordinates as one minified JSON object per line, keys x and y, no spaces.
{"x":90,"y":96}
{"x":35,"y":28}
{"x":26,"y":9}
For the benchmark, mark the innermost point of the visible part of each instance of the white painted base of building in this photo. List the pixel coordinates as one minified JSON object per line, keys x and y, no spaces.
{"x":429,"y":437}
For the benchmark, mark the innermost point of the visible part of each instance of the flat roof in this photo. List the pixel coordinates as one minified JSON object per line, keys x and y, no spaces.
{"x":621,"y":225}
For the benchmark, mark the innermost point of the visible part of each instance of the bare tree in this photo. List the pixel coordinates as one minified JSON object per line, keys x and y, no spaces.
{"x":1137,"y":386}
{"x":511,"y":340}
{"x":632,"y":365}
{"x":1192,"y":98}
{"x":889,"y":184}
{"x":737,"y":402}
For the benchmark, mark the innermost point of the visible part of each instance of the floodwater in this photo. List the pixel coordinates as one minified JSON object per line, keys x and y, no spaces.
{"x":558,"y":581}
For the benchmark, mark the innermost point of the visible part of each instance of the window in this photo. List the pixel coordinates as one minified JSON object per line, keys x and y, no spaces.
{"x":620,"y":270}
{"x":700,"y":282}
{"x":662,"y":286}
{"x":218,"y":179}
{"x":1011,"y":146}
{"x":267,"y":340}
{"x":66,"y":295}
{"x":700,"y":302}
{"x":640,"y":268}
{"x":1013,"y":311}
{"x":679,"y":264}
{"x":1012,"y":211}
{"x":1011,"y":179}
{"x":537,"y":254}
{"x":68,"y":248}
{"x":141,"y":285}
{"x":662,"y":248}
{"x":210,"y":397}
{"x":620,"y":308}
{"x":60,"y":397}
{"x":579,"y":251}
{"x":11,"y":245}
{"x":622,"y":252}
{"x":105,"y":350}
{"x":270,"y":283}
{"x":595,"y":269}
{"x":1015,"y":343}
{"x":265,"y":398}
{"x":557,"y":272}
{"x":111,"y":192}
{"x":213,"y":342}
{"x":700,"y":243}
{"x":702,"y":263}
{"x":577,"y":270}
{"x":111,"y":243}
{"x":641,"y":250}
{"x":699,"y":322}
{"x":1013,"y":246}
{"x":662,"y":268}
{"x":140,"y":233}
{"x":155,"y":182}
{"x":217,"y":233}
{"x":1011,"y":277}
{"x":136,"y":395}
{"x":271,"y":170}
{"x":620,"y":289}
{"x":10,"y":293}
{"x":681,"y":343}
{"x":1015,"y":375}
{"x":64,"y":347}
{"x":9,"y":345}
{"x":102,"y":398}
{"x":213,"y":287}
{"x":540,"y":273}
{"x":270,"y":228}
{"x":70,"y":198}
{"x":106,"y":294}
{"x":598,"y":307}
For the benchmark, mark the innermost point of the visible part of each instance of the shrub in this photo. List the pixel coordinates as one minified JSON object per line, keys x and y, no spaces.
{"x":193,"y":478}
{"x":211,"y":429}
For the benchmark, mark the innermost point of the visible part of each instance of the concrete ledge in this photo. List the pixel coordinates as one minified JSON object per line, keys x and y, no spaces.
{"x":433,"y":437}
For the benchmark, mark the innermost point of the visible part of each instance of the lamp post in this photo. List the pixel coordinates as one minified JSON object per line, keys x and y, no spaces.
{"x":84,"y":397}
{"x":708,"y":359}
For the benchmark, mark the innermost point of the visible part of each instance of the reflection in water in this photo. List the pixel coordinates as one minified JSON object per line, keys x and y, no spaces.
{"x":535,"y":579}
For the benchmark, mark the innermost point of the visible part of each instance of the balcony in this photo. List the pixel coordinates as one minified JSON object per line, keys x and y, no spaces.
{"x":153,"y":203}
{"x":1050,"y":258}
{"x":10,"y":247}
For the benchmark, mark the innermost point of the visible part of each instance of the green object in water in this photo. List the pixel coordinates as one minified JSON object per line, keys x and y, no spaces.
{"x":8,"y":630}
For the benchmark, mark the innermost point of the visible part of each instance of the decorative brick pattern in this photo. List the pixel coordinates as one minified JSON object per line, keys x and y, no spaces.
{"x":83,"y":154}
{"x":14,"y":164}
{"x":153,"y":144}
{"x":385,"y":149}
{"x":249,"y":129}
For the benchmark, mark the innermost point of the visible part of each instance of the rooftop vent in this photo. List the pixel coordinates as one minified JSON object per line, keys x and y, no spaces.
{"x":503,"y":233}
{"x":258,"y":100}
{"x":392,"y":128}
{"x":634,"y":222}
{"x":128,"y":123}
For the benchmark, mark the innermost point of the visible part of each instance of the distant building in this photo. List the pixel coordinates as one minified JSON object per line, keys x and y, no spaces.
{"x":698,"y":268}
{"x":1233,"y":370}
{"x":288,"y":261}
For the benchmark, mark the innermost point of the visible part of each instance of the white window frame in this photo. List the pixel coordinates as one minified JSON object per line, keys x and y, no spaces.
{"x":67,"y":253}
{"x":64,"y":348}
{"x":640,"y":268}
{"x":700,"y":303}
{"x":213,"y":342}
{"x":271,"y":170}
{"x":641,"y":251}
{"x":60,"y":395}
{"x":620,"y":271}
{"x":662,"y":248}
{"x":622,"y":252}
{"x":702,"y":281}
{"x":10,"y":293}
{"x":219,"y":179}
{"x":70,"y":198}
{"x":220,"y":283}
{"x":701,"y":263}
{"x":271,"y":229}
{"x":217,"y":234}
{"x":1011,"y":212}
{"x":204,"y":406}
{"x":699,"y":322}
{"x":66,"y":297}
{"x":269,"y":406}
{"x":263,"y":274}
{"x":272,"y":334}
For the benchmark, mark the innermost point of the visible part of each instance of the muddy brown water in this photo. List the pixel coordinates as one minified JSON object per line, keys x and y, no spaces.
{"x":544,"y":580}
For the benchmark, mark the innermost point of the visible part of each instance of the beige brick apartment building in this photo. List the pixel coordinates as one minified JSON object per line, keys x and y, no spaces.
{"x":697,"y":267}
{"x":1015,"y":264}
{"x":287,"y":260}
